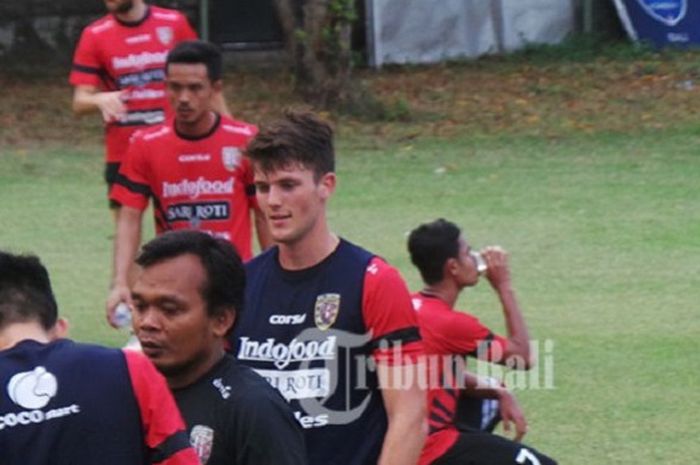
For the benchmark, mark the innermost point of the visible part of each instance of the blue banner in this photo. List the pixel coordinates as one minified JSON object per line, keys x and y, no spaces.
{"x":661,"y":22}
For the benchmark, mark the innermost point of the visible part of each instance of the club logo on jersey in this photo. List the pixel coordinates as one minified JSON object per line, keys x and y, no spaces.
{"x":202,"y":439}
{"x":230,"y":157}
{"x":32,"y":389}
{"x":326,"y":310}
{"x":669,"y":12}
{"x":165,"y":34}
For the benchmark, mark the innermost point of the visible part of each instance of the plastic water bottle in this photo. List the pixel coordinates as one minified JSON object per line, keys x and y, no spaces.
{"x":122,"y":315}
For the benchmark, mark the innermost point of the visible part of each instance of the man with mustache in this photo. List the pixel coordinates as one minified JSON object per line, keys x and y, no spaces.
{"x":191,"y":166}
{"x":188,"y":295}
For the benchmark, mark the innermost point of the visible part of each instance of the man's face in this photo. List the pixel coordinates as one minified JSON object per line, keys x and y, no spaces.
{"x":119,"y":6}
{"x":465,"y":267}
{"x":170,"y":317}
{"x":190,"y":92}
{"x":293,"y":201}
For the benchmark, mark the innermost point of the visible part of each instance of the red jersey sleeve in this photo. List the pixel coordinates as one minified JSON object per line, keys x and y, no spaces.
{"x":389,"y":315}
{"x":164,"y":430}
{"x":185,"y":31}
{"x":86,"y":67}
{"x":132,"y":187}
{"x":465,"y":334}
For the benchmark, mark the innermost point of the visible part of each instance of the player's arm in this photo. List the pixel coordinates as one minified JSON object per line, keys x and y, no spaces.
{"x":389,"y":315}
{"x":405,"y":405}
{"x":164,"y":430}
{"x":509,"y":408}
{"x":498,"y":274}
{"x":88,"y":99}
{"x":126,"y":242}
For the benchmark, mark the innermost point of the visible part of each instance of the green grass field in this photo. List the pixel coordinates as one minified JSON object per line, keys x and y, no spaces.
{"x":603,"y":232}
{"x":585,"y":169}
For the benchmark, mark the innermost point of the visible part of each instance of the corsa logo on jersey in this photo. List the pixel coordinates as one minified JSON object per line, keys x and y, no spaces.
{"x":194,"y":189}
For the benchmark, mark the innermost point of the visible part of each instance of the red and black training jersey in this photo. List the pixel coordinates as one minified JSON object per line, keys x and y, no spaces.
{"x":446,"y":332}
{"x":202,"y":183}
{"x":317,"y":334}
{"x":77,"y":404}
{"x":113,"y":55}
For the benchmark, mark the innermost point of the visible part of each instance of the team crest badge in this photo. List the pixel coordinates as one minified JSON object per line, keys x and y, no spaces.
{"x":669,"y":12}
{"x":202,"y":439}
{"x":231,"y":157}
{"x":165,"y":34}
{"x":326,"y":310}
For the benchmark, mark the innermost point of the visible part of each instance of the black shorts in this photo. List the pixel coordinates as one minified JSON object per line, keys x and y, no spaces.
{"x":480,"y":448}
{"x":111,"y":172}
{"x":478,"y":414}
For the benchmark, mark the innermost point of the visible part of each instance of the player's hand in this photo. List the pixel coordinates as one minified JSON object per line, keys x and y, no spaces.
{"x":511,"y":413}
{"x":118,"y":294}
{"x":498,"y":271}
{"x":111,"y":105}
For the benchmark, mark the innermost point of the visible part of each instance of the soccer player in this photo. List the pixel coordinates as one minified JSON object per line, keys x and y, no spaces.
{"x":187,"y":295}
{"x":447,"y":266}
{"x":118,"y":71}
{"x":329,"y":324}
{"x":75,"y":404}
{"x":191,"y":166}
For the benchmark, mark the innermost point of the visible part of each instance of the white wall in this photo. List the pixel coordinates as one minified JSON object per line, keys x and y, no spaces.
{"x":425,"y":31}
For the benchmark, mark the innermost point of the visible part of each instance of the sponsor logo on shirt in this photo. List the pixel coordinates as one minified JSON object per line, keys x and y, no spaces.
{"x":310,"y":421}
{"x":230,"y":157}
{"x":204,"y":211}
{"x":287,"y":319}
{"x":165,"y":34}
{"x":202,"y":439}
{"x":139,"y":60}
{"x":146,"y":94}
{"x":326,"y":310}
{"x":194,"y":188}
{"x":193,"y":157}
{"x":282,"y":354}
{"x":140,"y":118}
{"x":138,"y":39}
{"x":33,"y":390}
{"x":243,"y":130}
{"x":299,"y":384}
{"x":141,"y":78}
{"x":224,"y":390}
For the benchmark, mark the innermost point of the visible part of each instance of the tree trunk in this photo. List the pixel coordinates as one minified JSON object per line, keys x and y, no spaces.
{"x":318,"y":39}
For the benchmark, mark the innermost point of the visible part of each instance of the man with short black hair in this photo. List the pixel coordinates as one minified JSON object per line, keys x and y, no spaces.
{"x":192,"y":167}
{"x":75,"y":404}
{"x":188,"y":294}
{"x":447,"y":265}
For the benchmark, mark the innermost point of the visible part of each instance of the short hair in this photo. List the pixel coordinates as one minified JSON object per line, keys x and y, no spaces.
{"x":299,"y":137}
{"x":431,"y":245}
{"x":194,"y":52}
{"x":25,"y":291}
{"x":225,"y":275}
